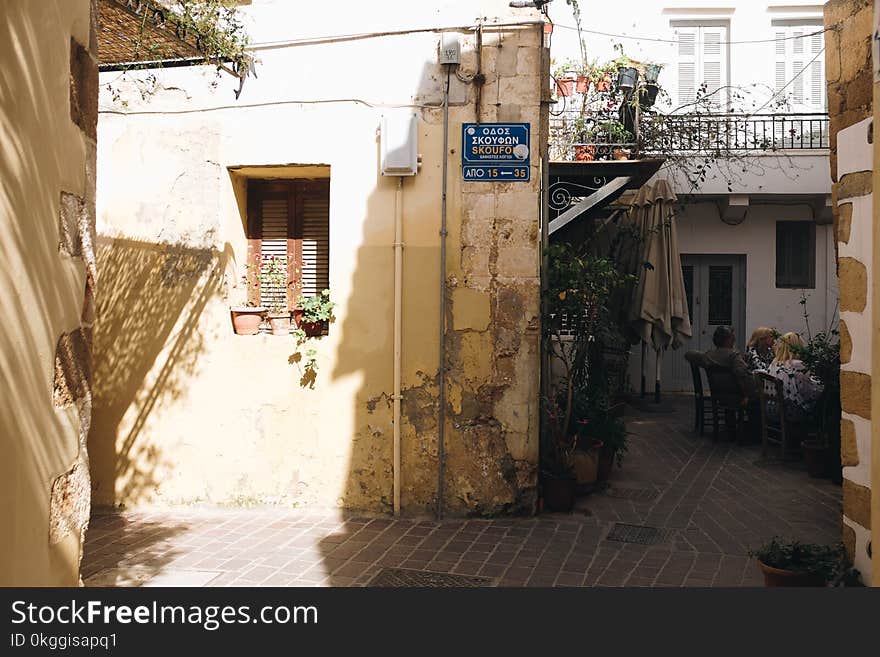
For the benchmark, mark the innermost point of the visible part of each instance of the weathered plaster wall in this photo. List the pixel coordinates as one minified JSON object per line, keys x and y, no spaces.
{"x":48,"y":114}
{"x":186,"y":412}
{"x":849,"y":73}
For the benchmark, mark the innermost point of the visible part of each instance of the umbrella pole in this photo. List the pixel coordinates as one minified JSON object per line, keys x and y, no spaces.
{"x":658,"y":359}
{"x":644,"y":351}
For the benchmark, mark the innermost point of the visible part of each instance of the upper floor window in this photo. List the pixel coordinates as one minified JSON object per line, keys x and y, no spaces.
{"x":796,"y":254}
{"x":703,"y":55}
{"x":799,"y":72}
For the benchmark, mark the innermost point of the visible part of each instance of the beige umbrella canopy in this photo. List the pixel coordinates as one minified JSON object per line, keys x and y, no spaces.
{"x":658,"y":313}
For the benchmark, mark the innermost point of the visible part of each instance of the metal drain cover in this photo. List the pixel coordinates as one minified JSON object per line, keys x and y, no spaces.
{"x":638,"y":534}
{"x":401,"y":577}
{"x":635,"y":494}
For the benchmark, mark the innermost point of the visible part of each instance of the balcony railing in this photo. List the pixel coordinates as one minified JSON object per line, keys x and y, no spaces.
{"x":735,"y":132}
{"x":681,"y":133}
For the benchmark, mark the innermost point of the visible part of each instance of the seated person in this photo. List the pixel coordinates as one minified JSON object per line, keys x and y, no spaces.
{"x":760,"y":349}
{"x":725,"y":354}
{"x":800,"y":390}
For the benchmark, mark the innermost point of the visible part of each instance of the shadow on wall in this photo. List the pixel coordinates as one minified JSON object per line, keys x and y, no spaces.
{"x":368,"y":330}
{"x":41,"y":289}
{"x":147,"y":315}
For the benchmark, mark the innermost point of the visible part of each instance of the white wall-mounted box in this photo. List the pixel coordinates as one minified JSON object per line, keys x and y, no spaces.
{"x":399,"y":144}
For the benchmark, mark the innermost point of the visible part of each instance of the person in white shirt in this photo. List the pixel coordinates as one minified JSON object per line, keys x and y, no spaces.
{"x":760,"y":349}
{"x":799,"y":388}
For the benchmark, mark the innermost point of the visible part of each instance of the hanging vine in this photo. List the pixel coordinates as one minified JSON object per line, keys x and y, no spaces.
{"x":204,"y":31}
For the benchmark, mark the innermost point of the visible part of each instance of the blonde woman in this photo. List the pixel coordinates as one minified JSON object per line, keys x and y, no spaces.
{"x":759,"y":350}
{"x":799,"y":389}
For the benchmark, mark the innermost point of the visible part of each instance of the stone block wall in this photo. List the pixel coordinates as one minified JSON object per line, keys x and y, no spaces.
{"x":850,"y":106}
{"x":47,"y":283}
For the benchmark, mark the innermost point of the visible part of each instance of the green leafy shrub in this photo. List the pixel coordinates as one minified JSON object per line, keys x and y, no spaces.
{"x":827,"y":562}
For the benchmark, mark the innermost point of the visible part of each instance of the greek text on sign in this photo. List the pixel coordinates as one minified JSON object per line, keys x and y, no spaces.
{"x":500,"y":143}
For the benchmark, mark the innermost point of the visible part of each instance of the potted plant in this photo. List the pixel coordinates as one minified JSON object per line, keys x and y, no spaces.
{"x":821,"y":357}
{"x":248,"y":316}
{"x":558,"y":478}
{"x":246,"y":319}
{"x":615,"y":132}
{"x":792,"y":563}
{"x":575,"y":311}
{"x":603,"y":81}
{"x":274,"y":277}
{"x":312,"y":314}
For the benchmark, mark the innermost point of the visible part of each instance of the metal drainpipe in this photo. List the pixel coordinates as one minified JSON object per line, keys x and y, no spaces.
{"x":441,"y":415}
{"x":398,"y":321}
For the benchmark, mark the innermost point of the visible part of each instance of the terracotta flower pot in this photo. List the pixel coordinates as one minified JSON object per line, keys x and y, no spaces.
{"x":621,"y":153}
{"x":565,"y":86}
{"x":778,"y":577}
{"x":312,"y":329}
{"x":279,"y":323}
{"x":585,"y":463}
{"x":604,"y":84}
{"x":583,"y":84}
{"x":584,"y":153}
{"x":247,"y":320}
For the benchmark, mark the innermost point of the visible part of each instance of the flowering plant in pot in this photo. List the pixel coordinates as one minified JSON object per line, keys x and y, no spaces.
{"x":248,"y":315}
{"x":312,"y":314}
{"x":274,"y":279}
{"x":792,"y":563}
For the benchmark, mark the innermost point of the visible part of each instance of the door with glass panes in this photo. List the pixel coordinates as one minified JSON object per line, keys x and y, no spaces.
{"x":716,"y":295}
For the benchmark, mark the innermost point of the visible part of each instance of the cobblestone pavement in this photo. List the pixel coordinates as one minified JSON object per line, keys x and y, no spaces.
{"x":711,"y":501}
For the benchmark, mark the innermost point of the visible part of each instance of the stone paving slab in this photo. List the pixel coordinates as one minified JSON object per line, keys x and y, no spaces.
{"x":712,"y":501}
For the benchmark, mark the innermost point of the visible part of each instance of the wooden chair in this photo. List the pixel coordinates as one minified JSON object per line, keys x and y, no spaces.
{"x":775,"y":428}
{"x":727,"y":401}
{"x":702,"y":401}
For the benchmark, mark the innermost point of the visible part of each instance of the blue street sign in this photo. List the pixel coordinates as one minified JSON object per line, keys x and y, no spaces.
{"x":501,"y":151}
{"x":507,"y":173}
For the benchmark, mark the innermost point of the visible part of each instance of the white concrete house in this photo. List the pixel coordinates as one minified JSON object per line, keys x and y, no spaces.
{"x":756,"y":234}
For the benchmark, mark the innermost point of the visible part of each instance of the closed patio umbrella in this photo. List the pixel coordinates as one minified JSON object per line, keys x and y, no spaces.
{"x":659,"y":313}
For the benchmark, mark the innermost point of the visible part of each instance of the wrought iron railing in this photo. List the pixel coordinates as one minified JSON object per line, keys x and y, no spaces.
{"x":575,"y":137}
{"x":734,"y":132}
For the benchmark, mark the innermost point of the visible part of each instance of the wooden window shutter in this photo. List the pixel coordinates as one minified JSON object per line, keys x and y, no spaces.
{"x":316,"y":241}
{"x":273,"y":248}
{"x":289,"y":223}
{"x":687,"y":64}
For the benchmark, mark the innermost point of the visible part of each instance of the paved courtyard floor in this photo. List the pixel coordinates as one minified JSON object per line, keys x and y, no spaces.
{"x":705,"y":503}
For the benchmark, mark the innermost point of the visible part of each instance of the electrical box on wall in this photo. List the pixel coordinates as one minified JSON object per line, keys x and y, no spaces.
{"x":450,"y":48}
{"x":399,"y":144}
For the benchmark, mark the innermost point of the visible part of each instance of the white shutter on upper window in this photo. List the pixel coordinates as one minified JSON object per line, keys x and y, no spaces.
{"x":714,"y":60}
{"x":800,"y":68}
{"x":687,"y":64}
{"x":817,"y":73}
{"x":702,"y":64}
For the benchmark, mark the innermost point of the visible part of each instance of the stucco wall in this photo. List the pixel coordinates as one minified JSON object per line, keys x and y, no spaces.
{"x":849,"y":72}
{"x":186,"y":412}
{"x":48,"y":103}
